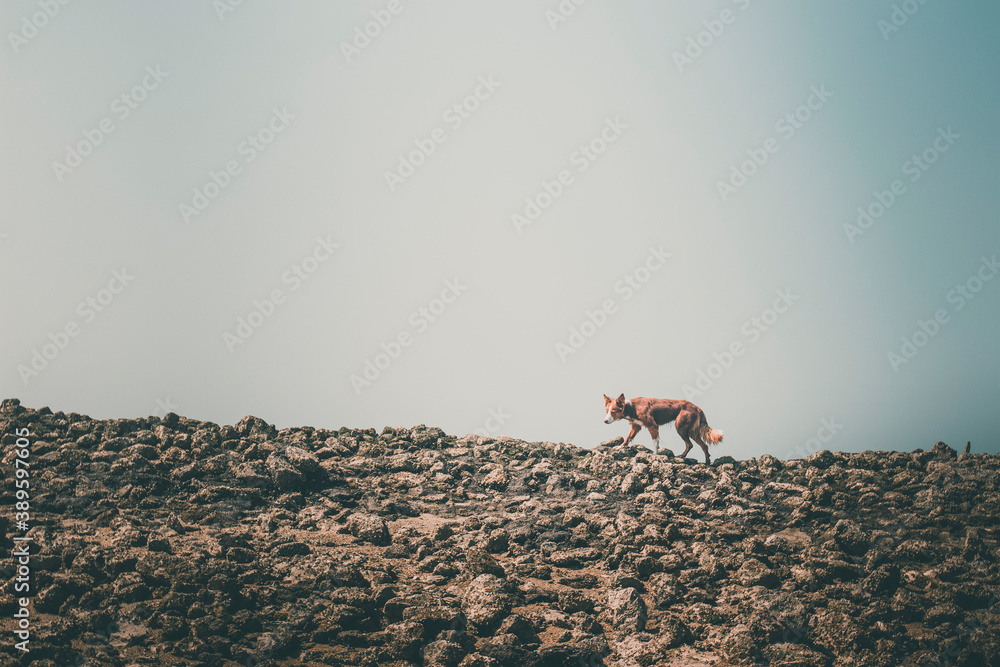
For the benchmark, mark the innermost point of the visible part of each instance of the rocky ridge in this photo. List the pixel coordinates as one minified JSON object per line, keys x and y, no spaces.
{"x":170,"y":541}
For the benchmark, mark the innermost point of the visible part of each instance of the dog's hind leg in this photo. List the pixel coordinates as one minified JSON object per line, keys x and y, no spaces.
{"x":696,"y":436}
{"x":684,"y":424}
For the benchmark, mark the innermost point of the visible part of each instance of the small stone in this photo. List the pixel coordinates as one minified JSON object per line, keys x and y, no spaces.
{"x":369,"y":528}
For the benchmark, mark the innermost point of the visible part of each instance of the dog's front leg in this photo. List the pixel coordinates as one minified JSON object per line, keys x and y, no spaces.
{"x":654,"y":432}
{"x":631,"y":434}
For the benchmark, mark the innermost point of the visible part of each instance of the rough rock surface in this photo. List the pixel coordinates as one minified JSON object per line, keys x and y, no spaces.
{"x":168,"y":541}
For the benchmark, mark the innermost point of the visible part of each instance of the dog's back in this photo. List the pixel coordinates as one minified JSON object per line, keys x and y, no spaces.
{"x":660,"y":411}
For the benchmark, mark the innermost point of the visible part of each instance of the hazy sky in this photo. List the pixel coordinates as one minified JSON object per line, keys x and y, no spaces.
{"x":485,"y":215}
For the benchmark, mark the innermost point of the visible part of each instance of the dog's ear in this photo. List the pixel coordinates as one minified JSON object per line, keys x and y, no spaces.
{"x":620,"y":399}
{"x":606,"y":399}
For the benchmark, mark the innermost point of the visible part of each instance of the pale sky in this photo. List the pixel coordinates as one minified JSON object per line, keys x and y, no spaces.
{"x":500,"y":213}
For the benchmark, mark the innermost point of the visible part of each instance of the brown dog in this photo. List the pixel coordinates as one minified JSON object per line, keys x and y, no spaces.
{"x":688,"y":418}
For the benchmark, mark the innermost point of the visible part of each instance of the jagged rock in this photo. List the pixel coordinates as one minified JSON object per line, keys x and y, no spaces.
{"x":850,"y":537}
{"x":520,"y":627}
{"x":834,"y":629}
{"x":478,"y":660}
{"x":795,"y":655}
{"x":754,"y":573}
{"x":284,"y":475}
{"x":442,"y":653}
{"x":254,"y":428}
{"x":486,"y":602}
{"x":305,"y":462}
{"x":496,"y":479}
{"x":481,"y":562}
{"x":404,"y":640}
{"x":369,"y":528}
{"x":628,"y":610}
{"x":883,"y":579}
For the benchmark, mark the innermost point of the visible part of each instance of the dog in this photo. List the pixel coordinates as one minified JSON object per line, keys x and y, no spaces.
{"x":688,"y":418}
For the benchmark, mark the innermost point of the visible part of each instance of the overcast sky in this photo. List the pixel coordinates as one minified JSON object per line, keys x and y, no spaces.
{"x":485,"y":215}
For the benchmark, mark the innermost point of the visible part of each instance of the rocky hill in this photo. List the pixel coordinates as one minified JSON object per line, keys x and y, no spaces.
{"x":169,"y":541}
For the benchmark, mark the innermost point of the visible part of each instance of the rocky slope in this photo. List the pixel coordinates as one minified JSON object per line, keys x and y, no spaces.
{"x":177,"y":542}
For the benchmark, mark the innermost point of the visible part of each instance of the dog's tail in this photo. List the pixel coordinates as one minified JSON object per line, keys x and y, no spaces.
{"x":712,"y":436}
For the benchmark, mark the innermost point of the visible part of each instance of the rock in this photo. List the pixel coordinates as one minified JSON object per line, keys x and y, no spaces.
{"x":486,"y":602}
{"x":305,"y":462}
{"x":369,"y":528}
{"x":443,"y":532}
{"x":480,"y":562}
{"x":292,"y":549}
{"x":627,"y":610}
{"x":754,"y":573}
{"x":496,"y":479}
{"x":948,"y":612}
{"x":834,"y":629}
{"x":744,"y":644}
{"x":442,"y":653}
{"x":284,"y":475}
{"x":509,"y":655}
{"x":795,"y":655}
{"x":943,"y":452}
{"x":254,"y":428}
{"x":571,"y":602}
{"x":882,"y":580}
{"x":586,"y":652}
{"x":520,"y":627}
{"x":404,"y":640}
{"x":850,"y":537}
{"x":11,"y":405}
{"x":497,"y":542}
{"x":478,"y":660}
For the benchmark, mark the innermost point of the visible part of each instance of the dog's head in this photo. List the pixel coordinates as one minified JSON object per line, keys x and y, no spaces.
{"x":614,"y":408}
